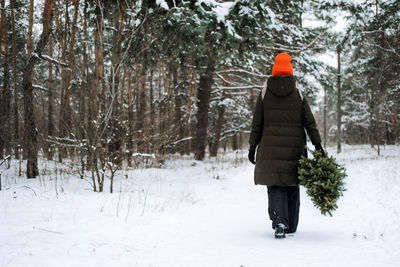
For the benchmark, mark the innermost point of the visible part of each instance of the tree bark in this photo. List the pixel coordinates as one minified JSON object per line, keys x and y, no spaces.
{"x":117,"y":131}
{"x":5,"y":95}
{"x":220,"y":120}
{"x":15,"y":104}
{"x":84,"y":92}
{"x":99,"y":62}
{"x":2,"y":89}
{"x":136,"y":94}
{"x":235,"y":143}
{"x":66,"y":119}
{"x":30,"y":124}
{"x":122,"y":91}
{"x":141,"y":121}
{"x":160,"y":107}
{"x":339,"y":107}
{"x":325,"y":115}
{"x":30,"y":27}
{"x":193,"y":86}
{"x":204,"y":92}
{"x":178,"y":125}
{"x":130,"y":116}
{"x":151,"y":106}
{"x":62,"y":30}
{"x":50,"y":95}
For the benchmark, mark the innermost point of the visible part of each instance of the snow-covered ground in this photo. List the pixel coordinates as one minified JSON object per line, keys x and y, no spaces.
{"x":181,"y":215}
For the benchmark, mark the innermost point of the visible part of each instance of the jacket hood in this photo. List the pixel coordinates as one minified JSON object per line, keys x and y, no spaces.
{"x":281,"y":85}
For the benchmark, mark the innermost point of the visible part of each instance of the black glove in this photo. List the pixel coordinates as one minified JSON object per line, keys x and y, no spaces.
{"x":252,"y":152}
{"x":319,"y":148}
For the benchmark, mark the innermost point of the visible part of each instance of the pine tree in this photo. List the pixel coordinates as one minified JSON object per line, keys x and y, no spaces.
{"x":371,"y":114}
{"x":323,"y":179}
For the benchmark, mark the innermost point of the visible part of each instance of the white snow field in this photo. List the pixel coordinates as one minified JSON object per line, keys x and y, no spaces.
{"x":180,"y":215}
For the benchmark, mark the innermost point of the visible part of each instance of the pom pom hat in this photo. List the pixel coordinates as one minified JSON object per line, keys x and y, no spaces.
{"x":282,"y":65}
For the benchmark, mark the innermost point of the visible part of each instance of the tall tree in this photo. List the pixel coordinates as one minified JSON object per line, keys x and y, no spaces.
{"x":117,"y":129}
{"x":371,"y":75}
{"x":15,"y":104}
{"x":339,"y":103}
{"x":50,"y":114}
{"x":29,"y":119}
{"x":5,"y":93}
{"x":65,"y":109}
{"x":221,"y":106}
{"x":29,"y":45}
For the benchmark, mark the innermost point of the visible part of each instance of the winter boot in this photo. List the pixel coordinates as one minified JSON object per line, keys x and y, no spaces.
{"x":280,"y":231}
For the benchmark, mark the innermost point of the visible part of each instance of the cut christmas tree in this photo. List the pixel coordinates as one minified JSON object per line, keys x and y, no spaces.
{"x":323,"y":179}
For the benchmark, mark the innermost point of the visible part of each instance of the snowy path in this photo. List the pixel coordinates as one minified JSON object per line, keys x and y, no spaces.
{"x":185,"y":218}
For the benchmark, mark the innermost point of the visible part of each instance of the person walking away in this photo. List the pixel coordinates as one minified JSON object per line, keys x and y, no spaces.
{"x":280,"y":117}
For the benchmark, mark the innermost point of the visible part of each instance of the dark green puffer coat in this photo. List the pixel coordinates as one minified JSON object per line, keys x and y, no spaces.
{"x":278,"y":129}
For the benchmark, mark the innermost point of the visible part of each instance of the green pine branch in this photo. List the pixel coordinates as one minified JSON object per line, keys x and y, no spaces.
{"x":323,"y":179}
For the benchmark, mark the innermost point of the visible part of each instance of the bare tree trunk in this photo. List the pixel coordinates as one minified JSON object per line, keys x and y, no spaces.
{"x":325,"y":114}
{"x":151,"y":108}
{"x":184,"y":99}
{"x":2,"y":89}
{"x":177,"y":108}
{"x":339,"y":107}
{"x":82,"y":93}
{"x":85,"y":74}
{"x":204,"y":92}
{"x":220,"y":120}
{"x":159,"y":106}
{"x":50,"y":115}
{"x":130,"y":116}
{"x":5,"y":95}
{"x":62,"y":30}
{"x":2,"y":14}
{"x":193,"y":86}
{"x":66,"y":120}
{"x":116,"y":128}
{"x":136,"y":92}
{"x":122,"y":91}
{"x":163,"y":107}
{"x":98,"y":51}
{"x":378,"y":135}
{"x":95,"y":84}
{"x":235,"y":145}
{"x":87,"y":118}
{"x":15,"y":104}
{"x":166,"y":108}
{"x":30,"y":27}
{"x":141,"y":121}
{"x":30,"y":125}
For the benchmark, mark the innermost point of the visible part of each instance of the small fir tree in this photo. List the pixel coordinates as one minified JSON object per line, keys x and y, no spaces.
{"x":323,"y":179}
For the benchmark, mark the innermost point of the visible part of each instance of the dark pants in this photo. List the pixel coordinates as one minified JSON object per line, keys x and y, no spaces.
{"x":284,"y":206}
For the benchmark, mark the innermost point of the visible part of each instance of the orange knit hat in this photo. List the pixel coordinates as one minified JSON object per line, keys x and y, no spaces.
{"x":282,"y":65}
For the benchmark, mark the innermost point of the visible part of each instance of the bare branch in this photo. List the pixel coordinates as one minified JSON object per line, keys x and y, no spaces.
{"x":243,"y":71}
{"x":279,"y":47}
{"x":391,"y":50}
{"x":239,"y":87}
{"x":50,"y":231}
{"x":52,"y":60}
{"x":4,"y":160}
{"x":37,"y":86}
{"x":222,"y":78}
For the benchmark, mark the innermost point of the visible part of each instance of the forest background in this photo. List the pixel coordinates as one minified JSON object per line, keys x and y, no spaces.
{"x":104,"y":85}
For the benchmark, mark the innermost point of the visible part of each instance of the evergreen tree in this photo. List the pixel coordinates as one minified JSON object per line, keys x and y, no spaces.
{"x":372,"y":73}
{"x":323,"y":178}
